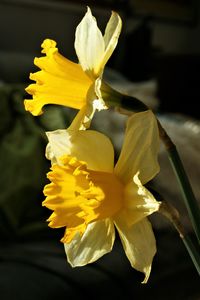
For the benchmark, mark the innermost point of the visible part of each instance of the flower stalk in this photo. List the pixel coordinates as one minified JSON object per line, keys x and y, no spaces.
{"x":192,"y":250}
{"x":186,"y":189}
{"x":172,"y":215}
{"x":120,"y":101}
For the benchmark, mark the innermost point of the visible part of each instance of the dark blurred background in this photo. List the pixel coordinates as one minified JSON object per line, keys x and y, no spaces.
{"x":157,"y":59}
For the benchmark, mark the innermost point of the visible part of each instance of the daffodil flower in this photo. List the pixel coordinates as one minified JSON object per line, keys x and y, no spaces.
{"x":76,"y":85}
{"x":91,"y":197}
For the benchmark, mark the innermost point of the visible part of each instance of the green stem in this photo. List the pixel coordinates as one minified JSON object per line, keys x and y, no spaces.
{"x":167,"y":210}
{"x":186,"y":189}
{"x":192,"y":250}
{"x":120,"y":101}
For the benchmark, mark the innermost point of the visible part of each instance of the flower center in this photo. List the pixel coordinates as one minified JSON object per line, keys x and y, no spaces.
{"x":79,"y":196}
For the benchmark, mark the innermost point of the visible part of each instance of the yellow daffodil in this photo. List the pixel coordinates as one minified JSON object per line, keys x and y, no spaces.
{"x":63,"y":82}
{"x":91,"y":197}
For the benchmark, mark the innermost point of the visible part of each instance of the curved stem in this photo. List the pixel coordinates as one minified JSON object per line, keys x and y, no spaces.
{"x":186,"y":189}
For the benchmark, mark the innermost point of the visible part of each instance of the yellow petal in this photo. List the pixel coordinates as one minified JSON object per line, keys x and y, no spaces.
{"x":99,"y":103}
{"x":60,"y":82}
{"x":89,"y":146}
{"x":82,"y":119}
{"x":112,"y":32}
{"x":138,"y":202}
{"x":89,"y":44}
{"x":96,"y":241}
{"x":140,"y":148}
{"x":139,"y":244}
{"x":59,"y":145}
{"x":62,"y":142}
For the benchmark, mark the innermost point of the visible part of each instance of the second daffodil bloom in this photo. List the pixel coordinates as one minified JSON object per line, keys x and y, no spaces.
{"x":91,"y":197}
{"x":76,"y":85}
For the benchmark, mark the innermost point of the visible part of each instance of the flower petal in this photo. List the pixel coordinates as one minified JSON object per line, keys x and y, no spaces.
{"x":139,"y":244}
{"x":138,"y":202}
{"x":112,"y":32}
{"x":89,"y":44}
{"x":140,"y":148}
{"x":87,"y":145}
{"x":60,"y":81}
{"x":96,"y":241}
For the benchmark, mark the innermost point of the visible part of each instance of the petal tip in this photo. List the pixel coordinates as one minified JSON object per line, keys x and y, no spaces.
{"x":32,"y":108}
{"x":47,"y":45}
{"x":147,"y":272}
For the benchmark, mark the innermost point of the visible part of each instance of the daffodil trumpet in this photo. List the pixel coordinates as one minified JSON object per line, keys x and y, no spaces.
{"x":92,"y":197}
{"x":76,"y":85}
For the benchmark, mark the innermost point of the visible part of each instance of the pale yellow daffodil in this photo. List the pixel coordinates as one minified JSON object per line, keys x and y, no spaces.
{"x":91,"y":197}
{"x":76,"y":85}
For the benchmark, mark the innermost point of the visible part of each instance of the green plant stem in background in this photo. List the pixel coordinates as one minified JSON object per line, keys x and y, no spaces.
{"x":188,"y":195}
{"x":172,"y":214}
{"x":192,"y":250}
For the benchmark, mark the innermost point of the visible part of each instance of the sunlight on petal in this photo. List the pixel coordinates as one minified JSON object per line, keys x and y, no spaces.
{"x":89,"y":44}
{"x":112,"y":32}
{"x":139,"y":244}
{"x":140,"y":148}
{"x":138,"y":202}
{"x":96,"y":241}
{"x":90,"y":146}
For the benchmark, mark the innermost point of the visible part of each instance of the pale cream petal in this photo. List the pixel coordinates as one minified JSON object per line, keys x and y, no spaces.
{"x":59,"y":144}
{"x":138,"y":202}
{"x":89,"y":44}
{"x":140,"y":148}
{"x":99,"y":103}
{"x":112,"y":32}
{"x":139,"y":244}
{"x":96,"y":241}
{"x":59,"y":140}
{"x":87,"y":145}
